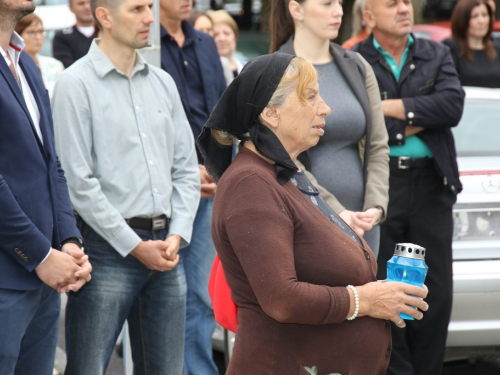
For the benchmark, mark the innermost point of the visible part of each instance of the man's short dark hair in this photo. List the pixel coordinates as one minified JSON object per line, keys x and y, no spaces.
{"x":112,"y":5}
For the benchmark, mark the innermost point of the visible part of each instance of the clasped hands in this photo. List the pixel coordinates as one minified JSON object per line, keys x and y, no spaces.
{"x":361,"y":221}
{"x":159,"y":255}
{"x":65,"y":270}
{"x":386,"y":300}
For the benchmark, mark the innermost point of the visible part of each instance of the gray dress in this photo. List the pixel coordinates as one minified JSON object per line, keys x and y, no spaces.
{"x":335,"y":160}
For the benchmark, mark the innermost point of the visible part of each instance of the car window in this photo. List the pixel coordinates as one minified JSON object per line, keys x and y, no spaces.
{"x":478,"y":133}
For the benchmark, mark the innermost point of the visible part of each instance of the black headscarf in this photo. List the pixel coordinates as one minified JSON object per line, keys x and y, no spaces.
{"x":237,"y":112}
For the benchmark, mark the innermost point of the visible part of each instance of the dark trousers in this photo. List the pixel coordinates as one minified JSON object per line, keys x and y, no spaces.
{"x":29,"y":328}
{"x":420,"y":212}
{"x":153,"y":303}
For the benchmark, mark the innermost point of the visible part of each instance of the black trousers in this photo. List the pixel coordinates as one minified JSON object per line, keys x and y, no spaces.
{"x":420,"y":212}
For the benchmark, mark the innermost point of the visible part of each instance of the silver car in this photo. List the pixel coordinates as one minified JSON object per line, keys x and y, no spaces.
{"x":475,"y":322}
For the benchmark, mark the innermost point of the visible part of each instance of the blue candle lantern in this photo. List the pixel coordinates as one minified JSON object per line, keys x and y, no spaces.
{"x":408,"y":266}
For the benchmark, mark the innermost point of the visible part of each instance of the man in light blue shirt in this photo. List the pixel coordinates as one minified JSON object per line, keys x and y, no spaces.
{"x":134,"y":181}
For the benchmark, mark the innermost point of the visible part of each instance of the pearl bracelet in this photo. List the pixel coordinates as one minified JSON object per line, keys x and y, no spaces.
{"x":356,"y":302}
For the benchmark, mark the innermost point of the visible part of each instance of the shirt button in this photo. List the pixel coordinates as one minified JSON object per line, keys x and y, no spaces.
{"x":410,"y":122}
{"x":386,"y":323}
{"x":137,"y":108}
{"x":185,"y":63}
{"x":367,"y":256}
{"x":151,"y":162}
{"x":144,"y":135}
{"x":412,"y":66}
{"x":155,"y":190}
{"x":453,"y":188}
{"x":411,"y":115}
{"x":399,"y":136}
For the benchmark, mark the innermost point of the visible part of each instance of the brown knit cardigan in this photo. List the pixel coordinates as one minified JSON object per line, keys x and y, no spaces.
{"x":288,"y":267}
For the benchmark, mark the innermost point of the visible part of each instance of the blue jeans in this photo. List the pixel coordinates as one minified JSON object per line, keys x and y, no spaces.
{"x":197,"y":260}
{"x":29,"y":328}
{"x":153,"y":303}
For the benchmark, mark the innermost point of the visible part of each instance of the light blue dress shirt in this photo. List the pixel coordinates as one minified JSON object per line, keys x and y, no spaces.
{"x":126,"y":147}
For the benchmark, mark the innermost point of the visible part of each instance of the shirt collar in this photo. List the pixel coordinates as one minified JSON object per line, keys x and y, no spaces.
{"x":379,"y":48}
{"x":17,"y":45}
{"x":187,"y":29}
{"x":103,"y":64}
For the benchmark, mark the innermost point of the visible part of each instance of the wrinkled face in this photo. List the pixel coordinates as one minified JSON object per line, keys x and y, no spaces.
{"x":393,"y":18}
{"x":322,"y":17}
{"x":16,"y":8}
{"x":225,"y":39}
{"x":178,"y":10}
{"x":82,"y":11}
{"x":205,"y":25}
{"x":130,"y":25}
{"x":300,"y":125}
{"x":33,"y":37}
{"x":479,"y":22}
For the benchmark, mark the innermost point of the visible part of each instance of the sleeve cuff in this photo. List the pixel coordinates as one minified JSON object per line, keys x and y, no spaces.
{"x":182,"y":227}
{"x":410,"y":112}
{"x":46,"y":256}
{"x":125,"y":241}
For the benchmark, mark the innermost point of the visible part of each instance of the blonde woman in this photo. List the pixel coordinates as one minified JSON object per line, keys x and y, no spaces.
{"x":226,"y":36}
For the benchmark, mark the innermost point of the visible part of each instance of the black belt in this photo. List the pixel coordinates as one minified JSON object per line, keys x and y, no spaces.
{"x":156,"y":223}
{"x":405,"y":162}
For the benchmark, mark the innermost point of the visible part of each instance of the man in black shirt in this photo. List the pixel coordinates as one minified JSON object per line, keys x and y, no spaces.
{"x":71,"y":44}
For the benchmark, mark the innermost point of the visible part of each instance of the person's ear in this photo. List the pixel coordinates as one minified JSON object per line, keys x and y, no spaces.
{"x":369,"y":18}
{"x":103,"y":15}
{"x":270,"y":116}
{"x":296,"y":11}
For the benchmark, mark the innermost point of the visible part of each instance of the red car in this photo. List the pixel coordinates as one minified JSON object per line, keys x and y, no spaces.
{"x":439,"y":31}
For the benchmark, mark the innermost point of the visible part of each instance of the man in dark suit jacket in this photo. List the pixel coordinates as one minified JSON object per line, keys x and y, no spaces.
{"x":36,"y":218}
{"x":191,"y":58}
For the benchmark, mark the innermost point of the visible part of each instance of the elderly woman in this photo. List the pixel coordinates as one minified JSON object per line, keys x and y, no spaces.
{"x":202,"y":21}
{"x":304,"y":282}
{"x":476,"y":54}
{"x":225,"y":36}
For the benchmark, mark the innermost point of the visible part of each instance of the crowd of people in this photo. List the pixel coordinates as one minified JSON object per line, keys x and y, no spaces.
{"x":302,"y":169}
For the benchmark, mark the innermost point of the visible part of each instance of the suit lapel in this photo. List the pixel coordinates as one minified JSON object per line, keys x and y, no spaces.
{"x":9,"y":77}
{"x":41,"y":108}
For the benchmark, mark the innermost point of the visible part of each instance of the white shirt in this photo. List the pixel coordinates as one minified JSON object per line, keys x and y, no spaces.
{"x":16,"y":46}
{"x":88,"y":31}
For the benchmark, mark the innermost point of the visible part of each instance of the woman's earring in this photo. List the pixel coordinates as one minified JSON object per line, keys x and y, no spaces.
{"x":300,"y":25}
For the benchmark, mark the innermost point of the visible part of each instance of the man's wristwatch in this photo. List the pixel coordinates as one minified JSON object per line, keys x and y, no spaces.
{"x":76,"y":240}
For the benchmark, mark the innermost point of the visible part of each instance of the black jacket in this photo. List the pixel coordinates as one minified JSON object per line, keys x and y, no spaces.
{"x":70,"y":45}
{"x":432,"y":96}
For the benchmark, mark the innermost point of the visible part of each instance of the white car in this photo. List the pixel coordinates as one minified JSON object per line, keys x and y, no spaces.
{"x":475,"y":322}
